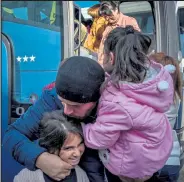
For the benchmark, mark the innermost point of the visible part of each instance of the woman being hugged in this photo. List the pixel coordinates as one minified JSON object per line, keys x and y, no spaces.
{"x":64,"y":139}
{"x":131,"y":131}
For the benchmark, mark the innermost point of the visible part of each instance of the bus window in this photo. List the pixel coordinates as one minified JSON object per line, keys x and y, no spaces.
{"x":181,"y":24}
{"x":181,"y":28}
{"x":36,"y":31}
{"x":142,"y":12}
{"x":35,"y":12}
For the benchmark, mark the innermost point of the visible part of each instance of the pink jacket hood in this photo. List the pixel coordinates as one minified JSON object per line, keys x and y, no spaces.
{"x":154,"y":91}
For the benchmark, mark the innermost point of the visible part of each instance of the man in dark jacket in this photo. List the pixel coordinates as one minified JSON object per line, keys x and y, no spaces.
{"x":76,"y":92}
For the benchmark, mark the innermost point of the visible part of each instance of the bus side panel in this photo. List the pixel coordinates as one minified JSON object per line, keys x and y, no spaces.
{"x":44,"y":46}
{"x":42,"y":79}
{"x":9,"y":166}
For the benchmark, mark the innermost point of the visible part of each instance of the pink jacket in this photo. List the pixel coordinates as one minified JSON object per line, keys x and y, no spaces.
{"x":131,"y":130}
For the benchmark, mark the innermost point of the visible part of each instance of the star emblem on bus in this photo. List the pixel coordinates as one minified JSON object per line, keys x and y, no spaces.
{"x":19,"y":59}
{"x":32,"y":58}
{"x":25,"y":58}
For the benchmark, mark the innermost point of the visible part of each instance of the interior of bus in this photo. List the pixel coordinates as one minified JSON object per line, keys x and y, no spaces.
{"x":142,"y":11}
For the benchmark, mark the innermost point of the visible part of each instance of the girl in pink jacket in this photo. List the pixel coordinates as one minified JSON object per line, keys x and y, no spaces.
{"x":131,"y":131}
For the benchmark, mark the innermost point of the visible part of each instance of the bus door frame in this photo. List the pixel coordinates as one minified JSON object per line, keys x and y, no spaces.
{"x":7,"y":75}
{"x":68,"y":21}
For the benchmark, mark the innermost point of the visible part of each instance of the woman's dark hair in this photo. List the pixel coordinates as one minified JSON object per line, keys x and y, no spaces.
{"x":129,"y":48}
{"x":106,"y":7}
{"x":54,"y":129}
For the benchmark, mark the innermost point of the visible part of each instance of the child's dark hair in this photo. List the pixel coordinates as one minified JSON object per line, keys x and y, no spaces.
{"x":129,"y":48}
{"x":106,"y":7}
{"x":54,"y":129}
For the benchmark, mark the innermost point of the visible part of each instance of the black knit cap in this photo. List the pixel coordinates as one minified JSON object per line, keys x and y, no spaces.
{"x":79,"y":79}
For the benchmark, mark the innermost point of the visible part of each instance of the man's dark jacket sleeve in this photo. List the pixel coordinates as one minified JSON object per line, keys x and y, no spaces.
{"x":19,"y":137}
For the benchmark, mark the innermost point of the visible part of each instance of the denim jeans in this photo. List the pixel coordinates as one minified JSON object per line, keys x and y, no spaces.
{"x":172,"y":172}
{"x":168,"y":173}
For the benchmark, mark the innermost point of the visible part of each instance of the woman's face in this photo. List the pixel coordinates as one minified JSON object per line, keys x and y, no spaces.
{"x":72,"y":149}
{"x":113,"y":18}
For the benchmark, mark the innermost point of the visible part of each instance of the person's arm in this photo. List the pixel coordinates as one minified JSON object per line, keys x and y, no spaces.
{"x":19,"y":136}
{"x":101,"y":48}
{"x":112,"y":119}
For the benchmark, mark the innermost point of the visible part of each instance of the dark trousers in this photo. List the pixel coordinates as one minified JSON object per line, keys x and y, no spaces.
{"x":111,"y":177}
{"x":167,"y":174}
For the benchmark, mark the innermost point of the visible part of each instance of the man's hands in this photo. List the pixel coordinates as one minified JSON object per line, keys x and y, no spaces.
{"x":53,"y":166}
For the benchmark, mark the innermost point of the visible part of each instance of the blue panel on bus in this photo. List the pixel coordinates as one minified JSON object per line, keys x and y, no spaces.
{"x":37,"y":54}
{"x":38,"y":48}
{"x":9,"y":166}
{"x":29,"y":88}
{"x":84,"y":4}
